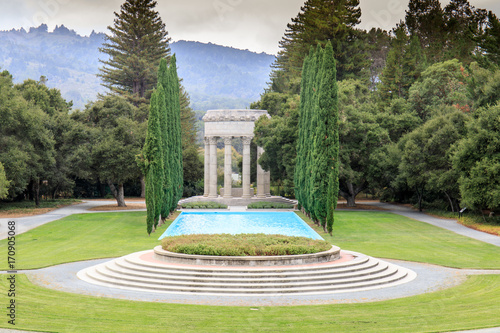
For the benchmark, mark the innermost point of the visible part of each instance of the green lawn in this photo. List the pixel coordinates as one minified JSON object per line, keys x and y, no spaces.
{"x":387,"y":235}
{"x":471,"y":305}
{"x":83,"y":236}
{"x":378,"y":234}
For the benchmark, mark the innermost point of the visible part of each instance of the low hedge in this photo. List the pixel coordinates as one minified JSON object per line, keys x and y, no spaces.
{"x":203,"y":205}
{"x":243,"y":245}
{"x":265,"y":205}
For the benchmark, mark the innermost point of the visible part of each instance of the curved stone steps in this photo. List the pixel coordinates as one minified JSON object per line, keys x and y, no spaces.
{"x":384,"y":271}
{"x":281,"y":276}
{"x":135,"y":273}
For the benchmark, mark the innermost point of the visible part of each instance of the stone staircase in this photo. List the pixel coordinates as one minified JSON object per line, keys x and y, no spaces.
{"x":137,"y":272}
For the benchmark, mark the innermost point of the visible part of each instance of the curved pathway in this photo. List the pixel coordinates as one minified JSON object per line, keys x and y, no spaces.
{"x":24,"y":224}
{"x":430,"y":277}
{"x":448,"y":224}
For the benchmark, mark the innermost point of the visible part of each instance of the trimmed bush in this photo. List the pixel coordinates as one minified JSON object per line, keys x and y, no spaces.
{"x":203,"y":205}
{"x":243,"y":245}
{"x":266,"y":205}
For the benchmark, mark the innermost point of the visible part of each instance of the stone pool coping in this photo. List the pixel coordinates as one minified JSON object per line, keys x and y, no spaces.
{"x":300,"y":259}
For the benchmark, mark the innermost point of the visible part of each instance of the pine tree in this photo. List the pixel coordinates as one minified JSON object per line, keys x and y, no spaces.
{"x":320,"y":21}
{"x":136,"y":44}
{"x":425,"y":19}
{"x":489,"y":42}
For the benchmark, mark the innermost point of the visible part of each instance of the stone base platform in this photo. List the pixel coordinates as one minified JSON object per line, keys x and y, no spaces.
{"x":239,"y":201}
{"x":141,"y":271}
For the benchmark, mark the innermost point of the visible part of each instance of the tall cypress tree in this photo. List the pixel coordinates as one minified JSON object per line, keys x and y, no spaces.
{"x":175,"y":118}
{"x":165,"y":139}
{"x":301,"y":140}
{"x":136,"y":44}
{"x":151,"y":162}
{"x":316,"y":177}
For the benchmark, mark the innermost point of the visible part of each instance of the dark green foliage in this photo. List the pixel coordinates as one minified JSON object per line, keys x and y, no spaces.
{"x":26,"y":138}
{"x":489,"y":41}
{"x":243,"y":245}
{"x":317,"y":163}
{"x":319,"y":22}
{"x":203,"y":205}
{"x":4,"y":183}
{"x":152,"y":162}
{"x":161,"y":159}
{"x":136,"y":44}
{"x":425,"y":162}
{"x":477,"y":160}
{"x":265,"y":205}
{"x":405,"y":62}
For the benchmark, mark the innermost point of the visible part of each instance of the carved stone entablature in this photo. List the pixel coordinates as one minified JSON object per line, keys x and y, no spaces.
{"x":234,"y":115}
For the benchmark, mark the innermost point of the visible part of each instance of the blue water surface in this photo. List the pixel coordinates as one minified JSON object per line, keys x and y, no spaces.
{"x":281,"y":223}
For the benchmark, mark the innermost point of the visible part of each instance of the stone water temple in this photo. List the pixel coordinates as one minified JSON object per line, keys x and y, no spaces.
{"x":226,"y":125}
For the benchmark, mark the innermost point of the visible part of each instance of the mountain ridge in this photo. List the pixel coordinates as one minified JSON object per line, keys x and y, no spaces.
{"x":215,"y":76}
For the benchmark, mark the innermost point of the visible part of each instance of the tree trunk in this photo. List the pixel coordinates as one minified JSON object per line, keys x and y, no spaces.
{"x":36,"y":191}
{"x":118,"y":194}
{"x":420,"y":195}
{"x":451,"y":202}
{"x":102,"y":189}
{"x":143,"y":187}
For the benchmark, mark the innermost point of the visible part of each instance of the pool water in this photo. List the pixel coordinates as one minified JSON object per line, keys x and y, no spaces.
{"x":281,"y":223}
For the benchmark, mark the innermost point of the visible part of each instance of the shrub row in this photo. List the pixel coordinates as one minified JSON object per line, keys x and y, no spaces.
{"x":243,"y":245}
{"x":203,"y":205}
{"x":264,"y":205}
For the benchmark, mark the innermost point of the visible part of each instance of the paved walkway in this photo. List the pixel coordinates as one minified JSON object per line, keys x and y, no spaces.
{"x":24,"y":224}
{"x":430,"y":278}
{"x":448,"y":224}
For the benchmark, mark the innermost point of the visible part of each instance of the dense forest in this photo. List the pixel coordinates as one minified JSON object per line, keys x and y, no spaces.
{"x":215,"y":76}
{"x":419,"y":112}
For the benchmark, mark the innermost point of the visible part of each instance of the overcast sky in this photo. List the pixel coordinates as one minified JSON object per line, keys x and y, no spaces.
{"x":257,"y":25}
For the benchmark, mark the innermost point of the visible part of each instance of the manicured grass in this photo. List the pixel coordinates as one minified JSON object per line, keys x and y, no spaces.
{"x":243,"y":245}
{"x":387,"y":235}
{"x":204,"y":205}
{"x":471,"y":305}
{"x":266,"y":205}
{"x":378,"y":234}
{"x":81,"y":237}
{"x":25,"y":208}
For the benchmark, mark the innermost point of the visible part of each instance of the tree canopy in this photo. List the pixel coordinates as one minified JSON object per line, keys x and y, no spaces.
{"x":136,"y":44}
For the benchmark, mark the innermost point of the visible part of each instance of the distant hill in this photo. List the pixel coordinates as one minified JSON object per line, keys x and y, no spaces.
{"x":215,"y":76}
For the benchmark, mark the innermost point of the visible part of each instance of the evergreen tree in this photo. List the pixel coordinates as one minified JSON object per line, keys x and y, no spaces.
{"x":151,"y":163}
{"x":175,"y":118}
{"x":489,"y":42}
{"x":316,"y":173}
{"x":136,"y":44}
{"x":405,"y":62}
{"x":326,"y":143}
{"x":463,"y":23}
{"x":320,"y":21}
{"x":425,"y":19}
{"x":163,"y":102}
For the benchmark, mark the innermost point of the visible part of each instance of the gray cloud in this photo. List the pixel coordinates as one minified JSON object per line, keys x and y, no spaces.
{"x":257,"y":25}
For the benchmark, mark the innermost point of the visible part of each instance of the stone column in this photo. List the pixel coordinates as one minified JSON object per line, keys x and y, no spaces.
{"x":228,"y":167}
{"x":260,"y":176}
{"x":206,"y":187}
{"x":246,"y":167}
{"x":267,"y":183}
{"x":213,"y":167}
